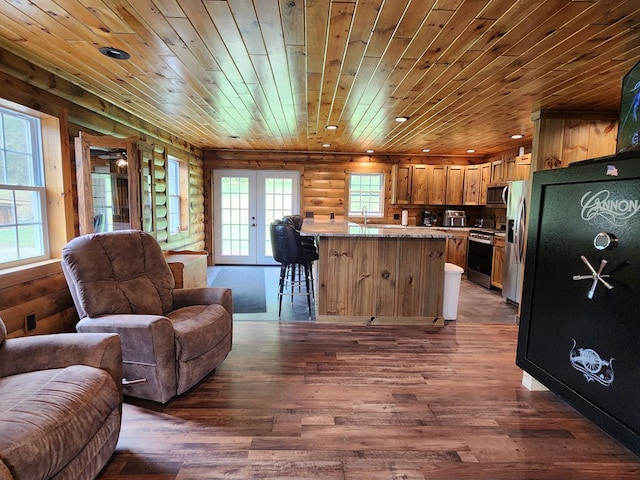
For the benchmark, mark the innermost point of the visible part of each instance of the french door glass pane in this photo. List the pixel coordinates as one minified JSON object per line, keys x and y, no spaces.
{"x":278,"y":202}
{"x":235,"y":216}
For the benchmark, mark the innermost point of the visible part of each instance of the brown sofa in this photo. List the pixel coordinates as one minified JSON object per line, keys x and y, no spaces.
{"x":121,"y":283}
{"x":60,"y":405}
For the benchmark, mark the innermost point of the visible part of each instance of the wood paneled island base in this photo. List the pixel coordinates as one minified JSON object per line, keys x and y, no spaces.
{"x":380,"y":276}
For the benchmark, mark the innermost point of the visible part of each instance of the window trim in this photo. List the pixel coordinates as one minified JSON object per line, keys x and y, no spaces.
{"x":185,"y":195}
{"x":58,"y":187}
{"x":383,"y":203}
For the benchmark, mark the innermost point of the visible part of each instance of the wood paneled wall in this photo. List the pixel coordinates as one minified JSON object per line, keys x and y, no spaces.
{"x":42,"y":289}
{"x":561,"y":138}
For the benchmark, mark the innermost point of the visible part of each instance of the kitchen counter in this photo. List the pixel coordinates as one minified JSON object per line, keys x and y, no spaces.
{"x":378,"y":274}
{"x":342,"y":228}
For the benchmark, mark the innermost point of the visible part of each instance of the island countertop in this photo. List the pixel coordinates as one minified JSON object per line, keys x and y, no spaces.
{"x":343,"y":228}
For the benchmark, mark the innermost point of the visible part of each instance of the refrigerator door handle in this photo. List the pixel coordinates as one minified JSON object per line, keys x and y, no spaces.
{"x":504,"y":194}
{"x":519,"y":227}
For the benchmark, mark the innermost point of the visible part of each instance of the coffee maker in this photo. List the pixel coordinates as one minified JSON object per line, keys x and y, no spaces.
{"x":427,"y":219}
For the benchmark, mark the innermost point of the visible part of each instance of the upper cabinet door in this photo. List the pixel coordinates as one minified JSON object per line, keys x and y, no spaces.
{"x":472,"y":181}
{"x":401,"y":185}
{"x":485,"y":180}
{"x":419,"y":188}
{"x":437,"y":184}
{"x":455,"y":183}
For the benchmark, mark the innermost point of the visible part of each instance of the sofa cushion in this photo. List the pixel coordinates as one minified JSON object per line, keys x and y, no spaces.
{"x":3,"y":332}
{"x":48,"y":415}
{"x":198,"y":329}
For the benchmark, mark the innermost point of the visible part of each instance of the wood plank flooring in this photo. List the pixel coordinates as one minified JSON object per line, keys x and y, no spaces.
{"x":299,"y":400}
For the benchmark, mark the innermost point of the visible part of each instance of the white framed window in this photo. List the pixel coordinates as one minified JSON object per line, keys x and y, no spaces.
{"x":366,"y":194}
{"x":177,"y":195}
{"x":23,"y":211}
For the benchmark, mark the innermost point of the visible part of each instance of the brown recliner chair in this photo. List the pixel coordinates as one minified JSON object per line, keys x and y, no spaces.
{"x":121,"y":283}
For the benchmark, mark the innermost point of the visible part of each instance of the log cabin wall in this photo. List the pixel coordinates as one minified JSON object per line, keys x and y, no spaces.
{"x":42,"y":289}
{"x":323,"y":177}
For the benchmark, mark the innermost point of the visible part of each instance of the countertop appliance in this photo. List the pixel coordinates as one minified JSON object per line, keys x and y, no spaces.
{"x":514,"y":241}
{"x":480,"y":257}
{"x":427,"y":219}
{"x":485,"y":223}
{"x":579,"y":325}
{"x":497,"y":195}
{"x":454,"y":218}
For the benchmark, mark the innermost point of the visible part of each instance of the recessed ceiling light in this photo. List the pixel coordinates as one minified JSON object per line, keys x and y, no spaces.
{"x":116,"y":53}
{"x":331,"y":127}
{"x":425,"y":150}
{"x":326,"y":145}
{"x":370,"y":151}
{"x":517,"y":136}
{"x":471,"y":151}
{"x":234,"y":136}
{"x":401,"y":119}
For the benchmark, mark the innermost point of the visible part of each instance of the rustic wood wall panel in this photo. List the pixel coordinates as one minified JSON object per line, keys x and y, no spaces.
{"x":43,"y":290}
{"x":566,"y":137}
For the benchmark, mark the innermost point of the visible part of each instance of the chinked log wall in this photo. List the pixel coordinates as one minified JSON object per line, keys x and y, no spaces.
{"x":43,"y":290}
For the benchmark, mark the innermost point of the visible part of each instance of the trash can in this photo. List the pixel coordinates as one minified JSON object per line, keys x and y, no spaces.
{"x":452,"y":276}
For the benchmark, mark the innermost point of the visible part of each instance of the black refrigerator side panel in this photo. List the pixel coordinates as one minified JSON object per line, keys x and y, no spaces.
{"x":580,"y":315}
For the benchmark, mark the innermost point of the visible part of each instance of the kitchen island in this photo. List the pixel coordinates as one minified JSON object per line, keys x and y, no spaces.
{"x":378,"y":274}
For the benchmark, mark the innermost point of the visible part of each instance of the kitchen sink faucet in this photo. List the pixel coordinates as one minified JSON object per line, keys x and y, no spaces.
{"x":363,"y":212}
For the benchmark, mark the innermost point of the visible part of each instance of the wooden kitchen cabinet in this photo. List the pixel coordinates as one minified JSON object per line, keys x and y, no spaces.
{"x":410,"y":185}
{"x":485,"y":180}
{"x":456,"y":248}
{"x":518,"y":168}
{"x":437,"y":184}
{"x":455,"y":184}
{"x":497,"y":171}
{"x":497,"y":265}
{"x":472,"y":185}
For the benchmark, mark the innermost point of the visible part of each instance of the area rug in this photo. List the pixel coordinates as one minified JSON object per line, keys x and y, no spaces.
{"x":247,"y":284}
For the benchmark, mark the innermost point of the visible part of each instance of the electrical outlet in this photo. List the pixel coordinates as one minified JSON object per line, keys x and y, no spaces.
{"x":396,"y":216}
{"x":30,"y":322}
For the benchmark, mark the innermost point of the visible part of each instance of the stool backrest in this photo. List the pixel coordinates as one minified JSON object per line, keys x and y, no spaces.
{"x":285,"y":243}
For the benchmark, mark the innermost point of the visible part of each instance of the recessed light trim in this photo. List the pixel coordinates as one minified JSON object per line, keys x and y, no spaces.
{"x":426,"y":150}
{"x":326,"y":145}
{"x":471,"y":150}
{"x":401,"y":119}
{"x":115,"y":53}
{"x":331,"y":127}
{"x":370,"y":151}
{"x":517,"y":136}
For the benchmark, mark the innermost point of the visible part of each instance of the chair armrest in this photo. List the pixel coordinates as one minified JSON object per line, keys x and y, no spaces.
{"x":43,"y":352}
{"x":145,"y":339}
{"x":185,"y":297}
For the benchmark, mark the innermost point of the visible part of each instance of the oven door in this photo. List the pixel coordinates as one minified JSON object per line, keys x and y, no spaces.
{"x":479,"y":261}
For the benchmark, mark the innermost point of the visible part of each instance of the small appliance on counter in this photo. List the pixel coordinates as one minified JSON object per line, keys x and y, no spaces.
{"x":454,"y":218}
{"x":428,"y":220}
{"x":485,"y":223}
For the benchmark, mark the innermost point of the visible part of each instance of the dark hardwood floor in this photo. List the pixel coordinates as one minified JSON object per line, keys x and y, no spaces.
{"x":299,"y":400}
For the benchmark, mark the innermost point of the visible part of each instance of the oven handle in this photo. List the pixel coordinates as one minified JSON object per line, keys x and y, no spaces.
{"x":480,"y":240}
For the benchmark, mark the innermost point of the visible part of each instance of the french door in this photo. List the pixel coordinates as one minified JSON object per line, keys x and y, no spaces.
{"x":245,"y":202}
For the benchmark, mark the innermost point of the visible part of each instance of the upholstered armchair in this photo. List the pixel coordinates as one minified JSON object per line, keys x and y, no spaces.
{"x":60,"y":404}
{"x":171,"y":338}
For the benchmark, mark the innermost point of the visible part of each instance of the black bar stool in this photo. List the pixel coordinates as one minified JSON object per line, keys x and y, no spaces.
{"x":308,"y":243}
{"x":295,"y":262}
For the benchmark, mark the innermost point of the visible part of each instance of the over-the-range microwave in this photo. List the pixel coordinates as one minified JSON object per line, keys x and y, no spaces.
{"x":497,"y":195}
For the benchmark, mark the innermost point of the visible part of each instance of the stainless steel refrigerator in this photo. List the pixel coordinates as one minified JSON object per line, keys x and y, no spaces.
{"x":514,"y":242}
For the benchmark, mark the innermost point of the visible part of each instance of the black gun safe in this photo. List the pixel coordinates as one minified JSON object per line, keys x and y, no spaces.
{"x":580,"y":313}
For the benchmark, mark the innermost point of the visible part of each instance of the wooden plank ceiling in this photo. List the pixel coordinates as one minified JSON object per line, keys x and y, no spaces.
{"x":272,"y":74}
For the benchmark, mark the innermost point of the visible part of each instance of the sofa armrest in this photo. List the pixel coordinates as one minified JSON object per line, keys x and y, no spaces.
{"x":185,"y":297}
{"x":146,"y":339}
{"x":43,"y":352}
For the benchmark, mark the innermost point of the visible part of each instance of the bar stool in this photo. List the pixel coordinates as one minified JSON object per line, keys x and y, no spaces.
{"x":295,"y":262}
{"x":308,"y":243}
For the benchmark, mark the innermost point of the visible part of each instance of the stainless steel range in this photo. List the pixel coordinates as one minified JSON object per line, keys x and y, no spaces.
{"x":480,"y":257}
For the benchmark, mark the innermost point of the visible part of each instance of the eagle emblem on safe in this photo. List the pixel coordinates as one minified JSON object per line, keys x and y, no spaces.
{"x":592,"y":366}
